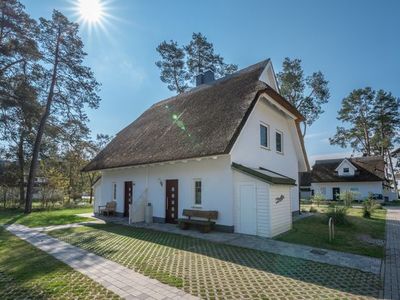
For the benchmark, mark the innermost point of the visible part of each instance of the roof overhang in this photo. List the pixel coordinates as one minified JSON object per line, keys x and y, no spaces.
{"x":264,"y":175}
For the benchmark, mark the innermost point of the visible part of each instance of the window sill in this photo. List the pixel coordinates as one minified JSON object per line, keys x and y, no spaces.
{"x":265,"y":148}
{"x":281,"y":153}
{"x":197,"y":206}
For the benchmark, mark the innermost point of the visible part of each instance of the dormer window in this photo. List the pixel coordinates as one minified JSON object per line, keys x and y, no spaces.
{"x":346,"y":170}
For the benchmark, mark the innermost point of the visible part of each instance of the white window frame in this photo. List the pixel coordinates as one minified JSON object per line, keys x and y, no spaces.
{"x":114,"y":191}
{"x":194,"y":192}
{"x":268,"y":147}
{"x":346,"y":172}
{"x":282,"y":143}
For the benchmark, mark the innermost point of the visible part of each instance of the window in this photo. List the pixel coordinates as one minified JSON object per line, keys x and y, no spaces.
{"x":197,"y":192}
{"x":346,"y":170}
{"x":279,"y":141}
{"x":264,"y":132}
{"x":114,"y":191}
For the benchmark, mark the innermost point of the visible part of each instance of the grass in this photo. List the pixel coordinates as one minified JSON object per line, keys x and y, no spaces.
{"x":313,"y":231}
{"x":216,"y":271}
{"x":43,"y":218}
{"x":29,"y":273}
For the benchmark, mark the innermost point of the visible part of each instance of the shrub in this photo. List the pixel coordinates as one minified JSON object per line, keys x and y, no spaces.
{"x":318,"y":198}
{"x":347,"y":197}
{"x":369,"y":206}
{"x":338,"y":214}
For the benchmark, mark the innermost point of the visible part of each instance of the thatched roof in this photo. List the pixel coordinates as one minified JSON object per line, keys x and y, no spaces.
{"x":204,"y":121}
{"x":370,"y":168}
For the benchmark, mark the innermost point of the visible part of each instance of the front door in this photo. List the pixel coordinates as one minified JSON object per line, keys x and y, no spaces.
{"x":335,"y":193}
{"x":171,"y":200}
{"x":128,"y":197}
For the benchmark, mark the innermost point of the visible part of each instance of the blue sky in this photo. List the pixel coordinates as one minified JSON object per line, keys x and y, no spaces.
{"x":354,"y":43}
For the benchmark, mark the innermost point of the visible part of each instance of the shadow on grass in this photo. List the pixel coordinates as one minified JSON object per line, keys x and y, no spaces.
{"x":334,"y":277}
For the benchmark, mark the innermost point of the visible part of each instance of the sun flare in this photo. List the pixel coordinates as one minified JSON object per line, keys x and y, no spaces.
{"x":91,"y":11}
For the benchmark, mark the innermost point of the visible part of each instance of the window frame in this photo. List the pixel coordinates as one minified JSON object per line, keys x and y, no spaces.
{"x":195,"y":181}
{"x":346,"y":170}
{"x":265,"y":125}
{"x":276,"y":145}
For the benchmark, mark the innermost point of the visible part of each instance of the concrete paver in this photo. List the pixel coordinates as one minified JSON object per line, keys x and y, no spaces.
{"x":391,"y":271}
{"x":121,"y":280}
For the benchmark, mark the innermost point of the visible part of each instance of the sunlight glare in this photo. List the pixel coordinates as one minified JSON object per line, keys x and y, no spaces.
{"x":91,"y":11}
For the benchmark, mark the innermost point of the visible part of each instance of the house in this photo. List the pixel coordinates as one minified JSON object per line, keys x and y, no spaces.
{"x":232,"y":145}
{"x":364,"y":176}
{"x":305,"y":185}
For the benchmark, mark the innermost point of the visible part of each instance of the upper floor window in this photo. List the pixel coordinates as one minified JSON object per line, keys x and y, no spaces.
{"x":279,"y":141}
{"x":264,"y":135}
{"x":346,"y":170}
{"x":197,"y":192}
{"x":114,"y":191}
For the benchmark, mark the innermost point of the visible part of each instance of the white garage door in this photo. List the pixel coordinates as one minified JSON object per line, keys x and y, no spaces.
{"x":247,"y":200}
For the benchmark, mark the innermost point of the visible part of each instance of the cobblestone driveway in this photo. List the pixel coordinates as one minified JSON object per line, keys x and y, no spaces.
{"x":211,"y":270}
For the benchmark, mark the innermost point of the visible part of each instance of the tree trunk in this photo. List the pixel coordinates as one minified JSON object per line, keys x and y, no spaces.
{"x":392,"y":170}
{"x":21,"y":161}
{"x":304,"y":129}
{"x":40,"y":132}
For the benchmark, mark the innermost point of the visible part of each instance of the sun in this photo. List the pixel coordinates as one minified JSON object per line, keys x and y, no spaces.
{"x":90,"y":11}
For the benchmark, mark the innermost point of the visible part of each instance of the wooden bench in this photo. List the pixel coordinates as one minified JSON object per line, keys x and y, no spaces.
{"x":204,"y":225}
{"x":108,"y":209}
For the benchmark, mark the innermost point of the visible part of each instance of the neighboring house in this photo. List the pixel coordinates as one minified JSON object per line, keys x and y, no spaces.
{"x":305,"y":185}
{"x":232,"y":145}
{"x":362,"y":175}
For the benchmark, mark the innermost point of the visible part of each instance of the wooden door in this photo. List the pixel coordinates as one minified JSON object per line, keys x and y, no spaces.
{"x":335,"y":193}
{"x":171,"y":200}
{"x":128,"y":197}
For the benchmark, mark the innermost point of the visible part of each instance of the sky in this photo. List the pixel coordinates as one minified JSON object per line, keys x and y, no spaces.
{"x":354,"y":43}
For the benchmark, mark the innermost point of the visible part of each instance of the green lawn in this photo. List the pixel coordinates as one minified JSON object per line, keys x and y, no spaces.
{"x":29,"y":273}
{"x":43,"y":218}
{"x":313,"y":231}
{"x":217,"y":271}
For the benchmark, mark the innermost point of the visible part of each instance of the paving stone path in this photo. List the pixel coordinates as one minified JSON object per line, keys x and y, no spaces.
{"x":124,"y":282}
{"x":348,"y":260}
{"x":392,"y":255}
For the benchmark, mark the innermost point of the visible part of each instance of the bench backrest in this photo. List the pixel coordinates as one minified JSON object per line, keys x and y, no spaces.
{"x":206,"y":214}
{"x":111,"y":205}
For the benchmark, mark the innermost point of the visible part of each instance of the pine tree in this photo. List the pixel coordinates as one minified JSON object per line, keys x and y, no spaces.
{"x":172,"y":66}
{"x":68,"y":85}
{"x":180,"y":65}
{"x":19,"y":55}
{"x":358,"y":111}
{"x":201,"y":57}
{"x":307,"y":94}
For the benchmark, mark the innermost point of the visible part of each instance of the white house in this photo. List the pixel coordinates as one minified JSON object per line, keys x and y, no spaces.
{"x":362,"y":175}
{"x":232,"y":145}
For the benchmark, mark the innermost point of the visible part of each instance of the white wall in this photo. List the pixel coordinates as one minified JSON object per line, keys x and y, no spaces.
{"x":98,"y":200}
{"x":262,"y":204}
{"x":271,"y":218}
{"x":281,"y":216}
{"x":217,"y":188}
{"x":364,"y":188}
{"x":247,"y":149}
{"x":346,"y":164}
